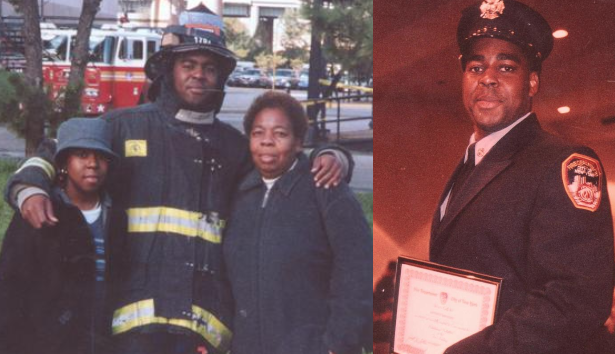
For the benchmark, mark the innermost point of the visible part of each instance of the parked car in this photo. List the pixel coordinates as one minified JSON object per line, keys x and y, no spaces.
{"x":285,"y":78}
{"x":266,"y":81}
{"x":303,"y":82}
{"x":251,"y":78}
{"x":234,"y":79}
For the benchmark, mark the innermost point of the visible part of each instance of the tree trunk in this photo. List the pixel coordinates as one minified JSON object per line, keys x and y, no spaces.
{"x":33,"y":74}
{"x":316,"y":72}
{"x":80,"y":58}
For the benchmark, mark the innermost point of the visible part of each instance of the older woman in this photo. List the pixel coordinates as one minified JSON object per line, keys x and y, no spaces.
{"x":299,"y":258}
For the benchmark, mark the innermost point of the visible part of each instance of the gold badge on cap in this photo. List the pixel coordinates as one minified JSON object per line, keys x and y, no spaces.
{"x":492,"y":9}
{"x":583,"y":178}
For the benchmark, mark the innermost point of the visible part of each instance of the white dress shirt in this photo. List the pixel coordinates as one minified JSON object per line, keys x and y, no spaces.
{"x":483,"y":146}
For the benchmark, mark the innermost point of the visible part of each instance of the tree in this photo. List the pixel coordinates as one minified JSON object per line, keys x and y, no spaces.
{"x":294,"y":39}
{"x":260,"y":41}
{"x":79,"y":61}
{"x":269,"y":62}
{"x":10,"y":84}
{"x":296,"y":64}
{"x":347,"y":35}
{"x":36,"y":108}
{"x":237,"y":38}
{"x":33,"y":112}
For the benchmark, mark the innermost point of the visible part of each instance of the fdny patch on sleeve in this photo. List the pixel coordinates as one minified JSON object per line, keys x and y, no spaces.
{"x":582,"y":177}
{"x":135,"y":148}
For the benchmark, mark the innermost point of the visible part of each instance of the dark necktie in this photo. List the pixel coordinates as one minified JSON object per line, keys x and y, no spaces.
{"x":462,"y":176}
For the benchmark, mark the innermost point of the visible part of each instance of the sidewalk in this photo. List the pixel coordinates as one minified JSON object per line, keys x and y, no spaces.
{"x":363,"y":176}
{"x":10,"y":145}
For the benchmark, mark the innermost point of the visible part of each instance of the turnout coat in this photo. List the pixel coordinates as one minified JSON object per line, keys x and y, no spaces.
{"x":528,"y":214}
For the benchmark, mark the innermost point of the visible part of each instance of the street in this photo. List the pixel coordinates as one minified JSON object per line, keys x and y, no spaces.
{"x":238,"y":99}
{"x":235,"y":105}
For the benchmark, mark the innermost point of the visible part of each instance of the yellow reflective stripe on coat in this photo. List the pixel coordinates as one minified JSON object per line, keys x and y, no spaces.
{"x":41,"y":163}
{"x":203,"y":322}
{"x":182,"y":222}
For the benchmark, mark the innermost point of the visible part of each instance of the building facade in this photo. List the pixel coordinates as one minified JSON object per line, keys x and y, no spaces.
{"x":158,"y":13}
{"x":63,"y":11}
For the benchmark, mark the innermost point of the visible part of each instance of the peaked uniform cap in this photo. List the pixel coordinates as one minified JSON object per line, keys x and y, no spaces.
{"x":508,"y":20}
{"x":199,"y":29}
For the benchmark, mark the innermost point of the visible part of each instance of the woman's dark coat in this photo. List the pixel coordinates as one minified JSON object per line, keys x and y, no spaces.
{"x":300,"y":266}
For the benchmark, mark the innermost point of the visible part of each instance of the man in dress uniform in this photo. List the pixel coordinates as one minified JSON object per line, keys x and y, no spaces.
{"x":524,"y":205}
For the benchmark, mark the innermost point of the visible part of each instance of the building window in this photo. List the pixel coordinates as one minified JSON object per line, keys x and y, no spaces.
{"x":131,"y":49}
{"x":236,"y":10}
{"x":271,"y":12}
{"x":132,"y":6}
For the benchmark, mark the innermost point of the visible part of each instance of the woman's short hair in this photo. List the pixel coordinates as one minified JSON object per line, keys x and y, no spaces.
{"x":278,"y":100}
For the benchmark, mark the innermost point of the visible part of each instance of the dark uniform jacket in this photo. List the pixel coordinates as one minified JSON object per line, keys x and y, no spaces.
{"x":514,"y":219}
{"x":175,"y":181}
{"x":47,"y":281}
{"x":300,"y":267}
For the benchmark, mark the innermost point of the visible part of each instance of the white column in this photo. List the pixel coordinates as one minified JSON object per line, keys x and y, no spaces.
{"x":254,"y":15}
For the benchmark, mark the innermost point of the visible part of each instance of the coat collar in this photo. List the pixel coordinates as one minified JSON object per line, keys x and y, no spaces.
{"x":285,"y":183}
{"x":60,"y":195}
{"x":484,"y":145}
{"x":496,"y":161}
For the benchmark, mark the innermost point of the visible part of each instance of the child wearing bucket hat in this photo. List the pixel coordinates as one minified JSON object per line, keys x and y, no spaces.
{"x":52,"y":280}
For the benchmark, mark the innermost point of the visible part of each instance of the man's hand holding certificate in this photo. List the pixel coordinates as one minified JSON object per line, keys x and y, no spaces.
{"x":436,"y":306}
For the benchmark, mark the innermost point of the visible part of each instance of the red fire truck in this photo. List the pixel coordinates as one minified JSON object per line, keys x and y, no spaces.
{"x":114,"y":76}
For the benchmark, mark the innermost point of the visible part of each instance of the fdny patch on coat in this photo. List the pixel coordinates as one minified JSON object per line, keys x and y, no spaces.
{"x":582,"y":177}
{"x":136,"y":148}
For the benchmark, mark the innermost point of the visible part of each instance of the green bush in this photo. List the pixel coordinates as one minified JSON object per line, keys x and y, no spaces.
{"x":367,"y":202}
{"x":6,"y":168}
{"x":21,"y":103}
{"x":9,"y":102}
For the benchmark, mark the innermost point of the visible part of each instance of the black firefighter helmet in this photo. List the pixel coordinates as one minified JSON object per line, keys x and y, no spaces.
{"x":199,"y":29}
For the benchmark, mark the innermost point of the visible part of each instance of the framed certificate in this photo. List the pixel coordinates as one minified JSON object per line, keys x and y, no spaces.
{"x":437,"y":306}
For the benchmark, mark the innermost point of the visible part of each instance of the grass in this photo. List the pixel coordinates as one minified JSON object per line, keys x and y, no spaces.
{"x":367,"y":202}
{"x":7,"y":167}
